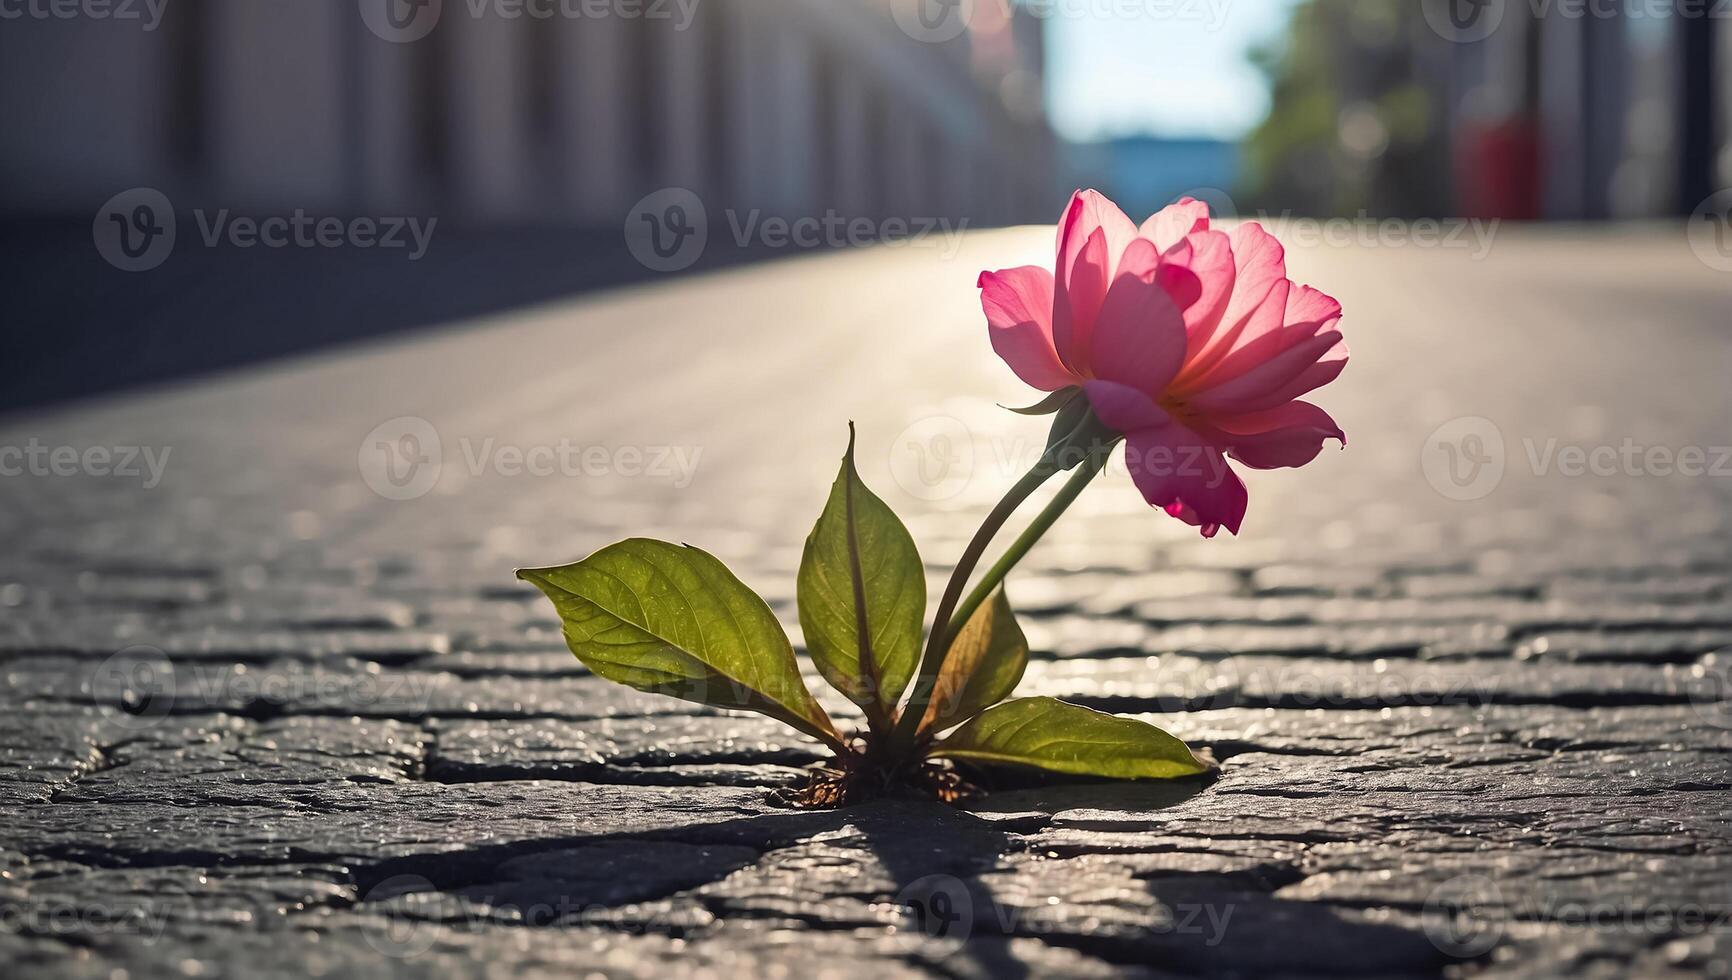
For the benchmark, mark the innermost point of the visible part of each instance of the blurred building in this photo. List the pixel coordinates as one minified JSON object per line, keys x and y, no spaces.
{"x":789,"y":106}
{"x":1497,"y":108}
{"x":1620,"y":114}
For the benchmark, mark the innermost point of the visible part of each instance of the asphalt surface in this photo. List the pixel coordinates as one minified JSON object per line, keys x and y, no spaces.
{"x":275,"y":704}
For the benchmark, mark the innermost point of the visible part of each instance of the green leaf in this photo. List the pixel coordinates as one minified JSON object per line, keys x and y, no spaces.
{"x":1049,"y":734}
{"x":984,"y":665}
{"x":862,"y":594}
{"x":1077,"y":434}
{"x":1049,"y":404}
{"x":671,"y":619}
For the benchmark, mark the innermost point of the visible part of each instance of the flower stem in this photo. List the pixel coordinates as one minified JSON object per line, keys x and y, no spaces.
{"x":948,"y":619}
{"x":1042,"y":522}
{"x":936,"y":646}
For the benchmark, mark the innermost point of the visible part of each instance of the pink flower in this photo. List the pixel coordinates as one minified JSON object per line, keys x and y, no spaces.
{"x":1190,"y":341}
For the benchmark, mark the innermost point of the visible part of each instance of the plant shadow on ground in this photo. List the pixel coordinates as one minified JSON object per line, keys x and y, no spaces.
{"x":912,"y":867}
{"x":948,"y":886}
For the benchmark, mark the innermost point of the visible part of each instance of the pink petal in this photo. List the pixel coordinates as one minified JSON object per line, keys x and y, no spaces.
{"x":1087,"y":212}
{"x":1259,"y":262}
{"x":1291,"y":435}
{"x":1180,"y":471}
{"x":1257,"y":339}
{"x":1172,"y":223}
{"x":1308,"y":305}
{"x":1307,"y":312}
{"x":1175,"y":275}
{"x":1327,"y":369}
{"x":1207,"y":255}
{"x":1139,"y":338}
{"x":1254,"y":388}
{"x":1077,"y":298}
{"x":1123,"y":407}
{"x":1018,"y":305}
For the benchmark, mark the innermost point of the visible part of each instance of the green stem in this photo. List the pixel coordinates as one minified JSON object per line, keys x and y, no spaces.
{"x":936,"y":647}
{"x":1085,"y":473}
{"x":1087,"y":436}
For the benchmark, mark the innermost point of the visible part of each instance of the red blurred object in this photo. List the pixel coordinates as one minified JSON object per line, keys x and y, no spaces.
{"x":1498,"y":169}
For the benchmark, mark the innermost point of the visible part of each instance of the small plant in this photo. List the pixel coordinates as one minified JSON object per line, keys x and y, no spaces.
{"x":1186,"y":343}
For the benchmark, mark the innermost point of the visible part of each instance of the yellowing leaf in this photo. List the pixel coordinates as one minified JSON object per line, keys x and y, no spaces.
{"x":984,"y":664}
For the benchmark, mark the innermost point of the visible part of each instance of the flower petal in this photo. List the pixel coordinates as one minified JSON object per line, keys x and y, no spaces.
{"x":1234,"y":359}
{"x":1018,"y":305}
{"x":1087,"y":212}
{"x":1255,"y":388}
{"x":1307,"y":312}
{"x":1207,"y":256}
{"x":1308,"y":305}
{"x":1123,"y":407}
{"x":1077,"y":298}
{"x":1291,"y":435}
{"x":1168,"y":226}
{"x":1139,"y":338}
{"x":1327,"y":369}
{"x":1259,"y":262}
{"x":1180,"y":471}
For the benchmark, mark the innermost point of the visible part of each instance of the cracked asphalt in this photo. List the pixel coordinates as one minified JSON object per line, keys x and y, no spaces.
{"x":284,"y":711}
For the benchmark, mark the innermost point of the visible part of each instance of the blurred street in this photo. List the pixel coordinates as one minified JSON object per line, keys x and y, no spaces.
{"x":276,"y":704}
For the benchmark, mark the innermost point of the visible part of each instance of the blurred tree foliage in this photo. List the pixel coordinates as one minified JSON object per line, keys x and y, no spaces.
{"x":1356,"y":121}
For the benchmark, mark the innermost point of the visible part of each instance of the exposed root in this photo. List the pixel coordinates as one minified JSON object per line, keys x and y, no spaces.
{"x":853,"y":780}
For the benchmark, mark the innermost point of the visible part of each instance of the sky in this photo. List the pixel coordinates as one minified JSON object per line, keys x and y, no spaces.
{"x":1156,"y":67}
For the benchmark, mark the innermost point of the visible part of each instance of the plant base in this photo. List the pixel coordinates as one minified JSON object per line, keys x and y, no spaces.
{"x":845,"y":782}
